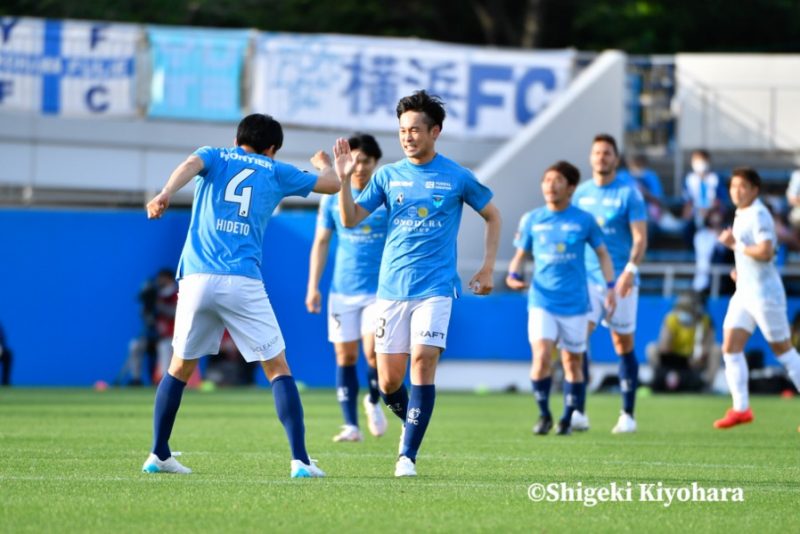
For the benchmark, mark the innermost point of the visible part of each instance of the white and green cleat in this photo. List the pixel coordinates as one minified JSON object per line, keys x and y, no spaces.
{"x":170,"y":465}
{"x":309,"y":470}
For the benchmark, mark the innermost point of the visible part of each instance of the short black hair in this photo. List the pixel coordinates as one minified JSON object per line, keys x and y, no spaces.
{"x":366,"y":144}
{"x":701,"y":152}
{"x":259,"y":132}
{"x":606,"y":138}
{"x":749,"y":174}
{"x":431,"y":105}
{"x":567,"y":170}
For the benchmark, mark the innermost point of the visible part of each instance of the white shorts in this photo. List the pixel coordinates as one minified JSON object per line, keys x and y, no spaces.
{"x":350,"y":317}
{"x":770,"y":318}
{"x":624,"y":319}
{"x":569,"y":331}
{"x":403,"y":323}
{"x":210,"y":303}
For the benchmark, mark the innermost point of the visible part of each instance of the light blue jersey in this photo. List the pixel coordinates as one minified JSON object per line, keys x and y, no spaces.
{"x":614,"y":206}
{"x":424,"y":204}
{"x":558,"y":241}
{"x":235,"y":195}
{"x":358,"y":253}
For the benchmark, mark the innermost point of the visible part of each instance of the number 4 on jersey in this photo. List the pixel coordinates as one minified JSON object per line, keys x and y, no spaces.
{"x":243,"y":198}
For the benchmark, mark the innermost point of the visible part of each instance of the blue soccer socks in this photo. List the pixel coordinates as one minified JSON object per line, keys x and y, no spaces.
{"x":420,"y":410}
{"x":347,"y":393}
{"x":168,"y":400}
{"x":628,"y":381}
{"x":397,"y":402}
{"x":290,"y":414}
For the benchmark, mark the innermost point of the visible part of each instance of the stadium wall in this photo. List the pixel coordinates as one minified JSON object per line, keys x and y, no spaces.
{"x":70,"y":278}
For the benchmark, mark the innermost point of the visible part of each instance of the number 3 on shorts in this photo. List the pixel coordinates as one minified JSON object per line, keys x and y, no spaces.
{"x":380,"y":330}
{"x":243,"y":198}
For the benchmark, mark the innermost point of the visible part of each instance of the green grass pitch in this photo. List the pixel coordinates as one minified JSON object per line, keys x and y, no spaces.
{"x":70,"y":461}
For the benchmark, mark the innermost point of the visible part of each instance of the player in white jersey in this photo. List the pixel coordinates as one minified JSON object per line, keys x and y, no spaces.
{"x":759,"y":300}
{"x":219,"y":273}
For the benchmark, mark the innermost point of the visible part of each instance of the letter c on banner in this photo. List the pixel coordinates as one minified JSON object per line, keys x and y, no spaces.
{"x":95,"y":104}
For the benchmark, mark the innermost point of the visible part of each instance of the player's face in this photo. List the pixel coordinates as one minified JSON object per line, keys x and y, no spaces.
{"x":743,"y":193}
{"x":556,"y":189}
{"x":365,"y":166}
{"x":603,"y":158}
{"x":416,"y":137}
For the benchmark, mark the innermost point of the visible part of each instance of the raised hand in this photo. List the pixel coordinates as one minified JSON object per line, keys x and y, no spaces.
{"x":344,"y":161}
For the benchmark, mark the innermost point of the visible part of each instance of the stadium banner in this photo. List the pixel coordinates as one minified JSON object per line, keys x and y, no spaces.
{"x":67,"y":67}
{"x":197,"y":74}
{"x":355,"y":82}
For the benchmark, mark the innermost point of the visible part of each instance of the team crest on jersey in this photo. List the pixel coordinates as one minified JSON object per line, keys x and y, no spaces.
{"x":437,"y":201}
{"x":366,"y":229}
{"x":601,"y":221}
{"x":561,"y":247}
{"x":422,"y":211}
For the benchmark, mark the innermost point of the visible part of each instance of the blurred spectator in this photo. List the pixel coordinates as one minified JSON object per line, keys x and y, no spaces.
{"x":229,"y":368}
{"x":709,"y":251}
{"x":703,"y":191}
{"x":793,"y":197}
{"x":158,"y":298}
{"x":649,"y":185}
{"x":5,"y":360}
{"x":686,"y":356}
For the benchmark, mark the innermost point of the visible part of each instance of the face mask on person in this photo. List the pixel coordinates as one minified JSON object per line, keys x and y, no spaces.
{"x":700,"y":166}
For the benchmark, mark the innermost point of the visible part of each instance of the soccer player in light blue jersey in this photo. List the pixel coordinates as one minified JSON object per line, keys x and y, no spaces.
{"x":556,"y":237}
{"x":424,"y":195}
{"x":351,"y":301}
{"x":619,"y":209}
{"x":219,"y":273}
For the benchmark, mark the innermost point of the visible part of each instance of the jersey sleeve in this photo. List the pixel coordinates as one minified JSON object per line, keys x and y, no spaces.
{"x":293,"y":181}
{"x":523,"y":239}
{"x":325,"y":216}
{"x":374,"y":194}
{"x":763,"y":227}
{"x":594,"y":234}
{"x":210,"y":156}
{"x":637,"y":211}
{"x":476,"y":194}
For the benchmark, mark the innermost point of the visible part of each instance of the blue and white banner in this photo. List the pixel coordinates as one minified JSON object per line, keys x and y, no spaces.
{"x":73,"y":68}
{"x":355,"y":82}
{"x":197,"y":74}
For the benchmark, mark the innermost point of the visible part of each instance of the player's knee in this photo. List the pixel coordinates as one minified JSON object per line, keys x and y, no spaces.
{"x":182,"y":369}
{"x":389,"y":384}
{"x":275,"y":367}
{"x":781,"y":347}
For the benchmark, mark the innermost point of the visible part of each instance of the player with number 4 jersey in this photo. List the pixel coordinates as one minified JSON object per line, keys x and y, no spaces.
{"x":219,"y":273}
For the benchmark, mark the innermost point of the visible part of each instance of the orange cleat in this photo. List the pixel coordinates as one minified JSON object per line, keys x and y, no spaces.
{"x":733,"y":418}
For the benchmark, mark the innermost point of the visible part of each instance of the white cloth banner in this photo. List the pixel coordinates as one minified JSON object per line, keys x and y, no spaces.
{"x":355,"y":82}
{"x":73,"y":68}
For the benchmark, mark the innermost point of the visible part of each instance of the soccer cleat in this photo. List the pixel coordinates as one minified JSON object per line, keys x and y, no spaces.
{"x":348,"y":433}
{"x":543,"y":425}
{"x":405,"y":467}
{"x":310,"y":470}
{"x":626,"y":424}
{"x":376,"y":421}
{"x":563,"y":429}
{"x":580,"y":421}
{"x":733,"y":418}
{"x":170,"y":465}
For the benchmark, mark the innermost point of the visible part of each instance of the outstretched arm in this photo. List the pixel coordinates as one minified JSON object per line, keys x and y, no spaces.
{"x":482,"y":283}
{"x":184,"y":172}
{"x":316,"y":266}
{"x":351,"y":213}
{"x":327,"y":182}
